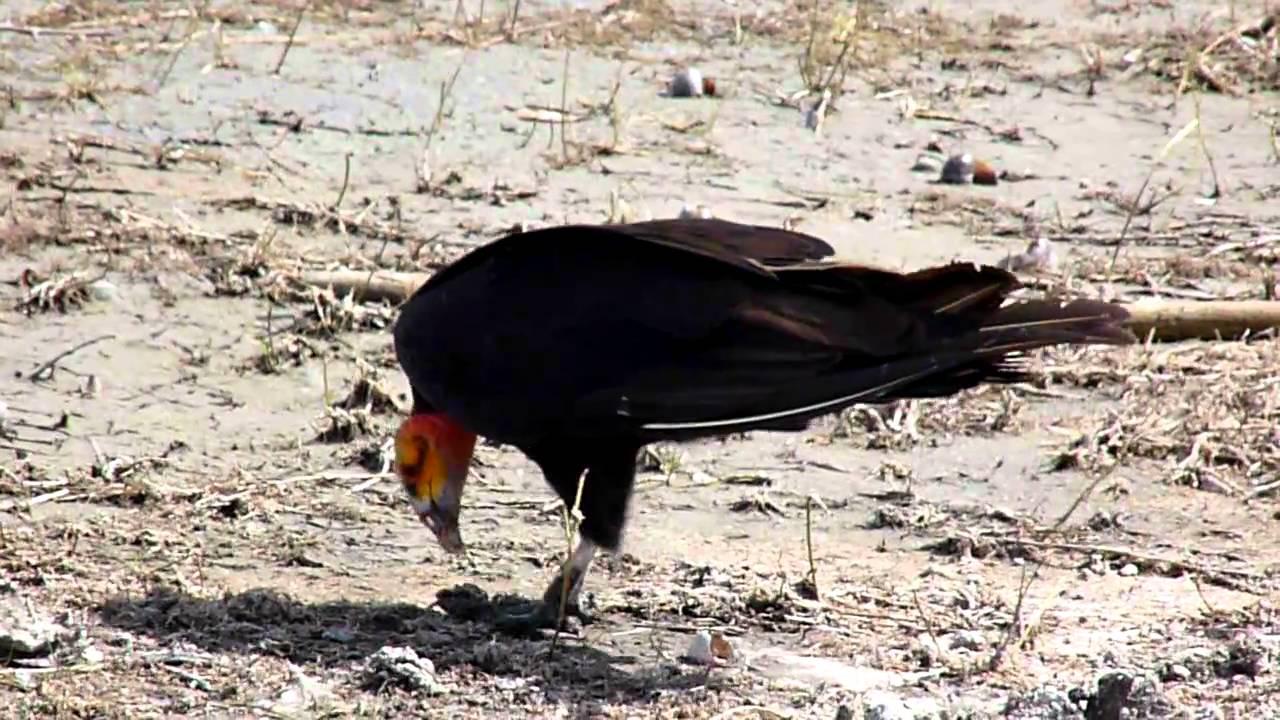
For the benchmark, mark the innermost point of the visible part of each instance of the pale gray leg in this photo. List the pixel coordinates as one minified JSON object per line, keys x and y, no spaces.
{"x":546,"y":613}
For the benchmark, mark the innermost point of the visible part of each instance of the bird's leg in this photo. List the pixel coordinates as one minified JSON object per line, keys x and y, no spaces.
{"x":546,"y":613}
{"x":576,"y":570}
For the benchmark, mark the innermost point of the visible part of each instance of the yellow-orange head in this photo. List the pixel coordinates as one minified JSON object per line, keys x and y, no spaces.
{"x":433,"y":454}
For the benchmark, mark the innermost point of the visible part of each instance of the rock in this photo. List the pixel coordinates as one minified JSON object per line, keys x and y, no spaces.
{"x":91,"y":654}
{"x":1246,"y":656}
{"x":1111,"y":698}
{"x":103,"y":291}
{"x":1042,"y":703}
{"x":882,"y":705}
{"x":27,"y":637}
{"x":338,"y":634}
{"x":300,"y":697}
{"x":809,"y":670}
{"x":401,"y":666}
{"x":1116,"y":695}
{"x":965,"y":640}
{"x":930,"y":162}
{"x":1128,"y":570}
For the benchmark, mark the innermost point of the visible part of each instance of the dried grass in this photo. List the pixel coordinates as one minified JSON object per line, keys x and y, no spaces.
{"x":1207,"y":415}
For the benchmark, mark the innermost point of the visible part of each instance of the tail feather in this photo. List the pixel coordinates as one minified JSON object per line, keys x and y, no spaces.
{"x":966,"y":333}
{"x":998,"y":352}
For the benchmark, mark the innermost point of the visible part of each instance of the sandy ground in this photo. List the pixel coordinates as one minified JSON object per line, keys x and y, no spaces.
{"x":194,"y":508}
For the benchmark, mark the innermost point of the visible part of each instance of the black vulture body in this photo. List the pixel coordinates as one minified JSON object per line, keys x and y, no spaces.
{"x":581,"y":344}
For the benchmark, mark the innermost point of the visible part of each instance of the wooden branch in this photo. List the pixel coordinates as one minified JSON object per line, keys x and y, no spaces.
{"x":1205,"y":320}
{"x":368,"y":286}
{"x":1171,"y":319}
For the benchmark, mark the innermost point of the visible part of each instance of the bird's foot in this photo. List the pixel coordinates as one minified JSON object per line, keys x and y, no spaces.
{"x":540,"y":616}
{"x":564,"y":593}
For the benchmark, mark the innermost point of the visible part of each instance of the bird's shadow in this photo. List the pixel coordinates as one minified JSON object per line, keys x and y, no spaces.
{"x":343,"y":634}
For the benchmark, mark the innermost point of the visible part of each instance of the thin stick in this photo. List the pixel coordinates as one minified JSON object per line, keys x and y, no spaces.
{"x":1015,"y":627}
{"x":808,"y":542}
{"x":1132,"y":554}
{"x":446,"y":89}
{"x":36,"y":32}
{"x":48,"y":366}
{"x":1204,"y":149}
{"x":572,"y":519}
{"x":186,"y":40}
{"x":346,"y":178}
{"x":928,"y":623}
{"x":564,"y":108}
{"x":297,"y":21}
{"x":1133,"y":207}
{"x":759,"y":711}
{"x":1083,"y":496}
{"x":515,"y":15}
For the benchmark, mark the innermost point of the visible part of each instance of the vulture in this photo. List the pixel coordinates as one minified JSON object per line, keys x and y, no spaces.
{"x":581,"y":344}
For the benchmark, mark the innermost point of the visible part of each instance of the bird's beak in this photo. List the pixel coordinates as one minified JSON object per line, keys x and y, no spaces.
{"x":440,"y":514}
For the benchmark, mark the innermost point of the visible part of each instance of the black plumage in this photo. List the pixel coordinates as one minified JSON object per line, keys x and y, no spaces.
{"x":581,"y":344}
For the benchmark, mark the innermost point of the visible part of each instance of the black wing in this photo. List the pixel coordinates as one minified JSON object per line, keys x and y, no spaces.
{"x":663,"y":332}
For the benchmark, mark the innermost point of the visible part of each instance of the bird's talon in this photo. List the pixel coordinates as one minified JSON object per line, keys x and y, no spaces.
{"x":543,"y":618}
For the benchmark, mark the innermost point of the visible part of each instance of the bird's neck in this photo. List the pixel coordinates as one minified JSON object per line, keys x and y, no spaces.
{"x":460,"y":441}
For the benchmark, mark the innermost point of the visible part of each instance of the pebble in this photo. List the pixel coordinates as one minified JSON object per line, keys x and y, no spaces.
{"x":29,"y":637}
{"x":338,"y":634}
{"x":1129,"y":570}
{"x":930,"y":162}
{"x":301,"y":694}
{"x":885,"y":705}
{"x":92,"y":655}
{"x":881,"y":705}
{"x":1042,"y":703}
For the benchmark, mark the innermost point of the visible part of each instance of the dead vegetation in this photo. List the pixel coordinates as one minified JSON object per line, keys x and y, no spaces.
{"x":1207,"y":416}
{"x":1216,"y":54}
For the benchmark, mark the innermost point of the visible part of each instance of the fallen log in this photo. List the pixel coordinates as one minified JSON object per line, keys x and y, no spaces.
{"x":1201,"y":319}
{"x":1171,"y":319}
{"x":368,"y":286}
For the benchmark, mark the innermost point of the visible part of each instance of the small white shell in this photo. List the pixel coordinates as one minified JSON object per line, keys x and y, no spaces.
{"x":686,"y":83}
{"x":958,"y":169}
{"x":709,"y":649}
{"x":103,"y":291}
{"x":698,"y":212}
{"x":1039,"y":255}
{"x":700,"y":649}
